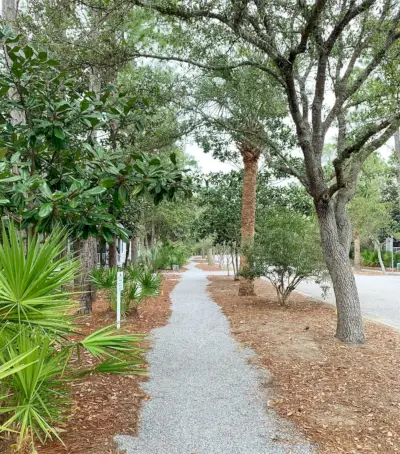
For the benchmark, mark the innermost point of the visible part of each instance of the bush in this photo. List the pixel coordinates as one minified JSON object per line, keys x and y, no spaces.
{"x":165,"y":256}
{"x":139,"y":283}
{"x":35,"y":353}
{"x":286,"y":250}
{"x":104,"y":278}
{"x":370,"y":258}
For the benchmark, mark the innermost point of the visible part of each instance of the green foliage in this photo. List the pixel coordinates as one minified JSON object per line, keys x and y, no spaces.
{"x":370,"y":215}
{"x":140,"y":282}
{"x":35,"y":353}
{"x":104,"y":278}
{"x":165,"y":256}
{"x":149,"y":283}
{"x":370,"y":258}
{"x":64,"y":175}
{"x":172,"y":254}
{"x":286,"y":251}
{"x":31,"y":281}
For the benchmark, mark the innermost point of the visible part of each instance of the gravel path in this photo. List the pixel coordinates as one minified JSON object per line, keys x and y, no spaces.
{"x":206,"y":397}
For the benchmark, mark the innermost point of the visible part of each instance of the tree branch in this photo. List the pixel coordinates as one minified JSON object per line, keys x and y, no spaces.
{"x":211,"y":67}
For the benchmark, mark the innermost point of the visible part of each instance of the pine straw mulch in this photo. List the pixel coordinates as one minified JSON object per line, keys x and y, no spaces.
{"x":344,"y":398}
{"x":206,"y":267}
{"x":106,"y":405}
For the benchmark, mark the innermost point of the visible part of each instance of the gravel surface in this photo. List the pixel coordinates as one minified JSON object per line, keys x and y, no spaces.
{"x":379,"y":297}
{"x":205,"y":395}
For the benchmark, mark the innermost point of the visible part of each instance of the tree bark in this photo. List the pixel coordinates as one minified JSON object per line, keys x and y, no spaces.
{"x":128,"y":246}
{"x":10,"y":10}
{"x":88,"y":261}
{"x":250,"y":156}
{"x":112,"y":254}
{"x":134,"y":249}
{"x":210,"y":257}
{"x":350,"y":327}
{"x":397,"y":152}
{"x":357,"y":251}
{"x":152,"y":235}
{"x":378,"y":249}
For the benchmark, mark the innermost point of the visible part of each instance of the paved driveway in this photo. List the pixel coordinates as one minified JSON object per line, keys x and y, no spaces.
{"x":379,"y":296}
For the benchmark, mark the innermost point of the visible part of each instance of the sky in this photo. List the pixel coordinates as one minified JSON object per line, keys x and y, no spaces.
{"x":208,"y":164}
{"x":205,"y":160}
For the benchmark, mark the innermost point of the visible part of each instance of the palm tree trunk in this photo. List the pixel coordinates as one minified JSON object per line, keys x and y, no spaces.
{"x":112,"y":254}
{"x":250,"y":157}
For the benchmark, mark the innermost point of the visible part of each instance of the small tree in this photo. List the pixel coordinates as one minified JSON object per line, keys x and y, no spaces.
{"x":286,"y":251}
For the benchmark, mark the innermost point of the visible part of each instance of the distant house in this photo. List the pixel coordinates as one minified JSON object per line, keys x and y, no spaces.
{"x":388,"y":245}
{"x":102,"y":253}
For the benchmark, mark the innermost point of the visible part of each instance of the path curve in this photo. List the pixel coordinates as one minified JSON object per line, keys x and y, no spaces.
{"x":205,"y":396}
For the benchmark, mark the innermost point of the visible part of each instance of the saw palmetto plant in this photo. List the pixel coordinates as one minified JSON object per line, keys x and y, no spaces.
{"x":36,"y":316}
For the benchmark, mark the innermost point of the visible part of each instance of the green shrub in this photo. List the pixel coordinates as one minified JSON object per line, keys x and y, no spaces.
{"x":138,"y":285}
{"x":35,"y":353}
{"x":370,"y":258}
{"x":150,"y":283}
{"x":286,"y":250}
{"x":104,"y":278}
{"x":170,"y":254}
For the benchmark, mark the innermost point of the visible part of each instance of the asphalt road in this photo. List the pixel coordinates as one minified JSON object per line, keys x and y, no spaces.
{"x":379,"y":297}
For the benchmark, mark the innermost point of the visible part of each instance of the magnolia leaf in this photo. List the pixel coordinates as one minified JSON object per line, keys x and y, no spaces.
{"x":45,"y":210}
{"x":94,"y":191}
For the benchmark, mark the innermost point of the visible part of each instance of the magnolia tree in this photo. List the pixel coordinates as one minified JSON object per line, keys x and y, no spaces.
{"x":286,"y":250}
{"x":53,"y":170}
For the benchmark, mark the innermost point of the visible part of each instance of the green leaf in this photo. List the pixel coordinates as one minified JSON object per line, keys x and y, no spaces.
{"x":155,"y":162}
{"x":10,"y":179}
{"x":28,"y":51}
{"x":45,"y":210}
{"x":45,"y":190}
{"x":84,"y":105}
{"x":108,"y":182}
{"x":172,"y":157}
{"x":122,"y":195}
{"x":138,"y":189}
{"x":94,"y":191}
{"x":59,"y":133}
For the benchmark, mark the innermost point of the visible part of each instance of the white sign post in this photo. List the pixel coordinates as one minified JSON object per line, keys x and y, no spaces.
{"x":392,"y":251}
{"x":120,"y":287}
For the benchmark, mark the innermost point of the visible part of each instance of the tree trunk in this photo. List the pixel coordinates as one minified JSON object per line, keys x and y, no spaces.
{"x":210,"y":257}
{"x":250,"y":157}
{"x":357,"y":251}
{"x":378,"y":249}
{"x":128,"y":247}
{"x":134,"y":249}
{"x":10,"y":10}
{"x":87,"y":262}
{"x":112,"y":254}
{"x":349,"y":319}
{"x":152,"y":235}
{"x":77,"y":245}
{"x":397,"y":152}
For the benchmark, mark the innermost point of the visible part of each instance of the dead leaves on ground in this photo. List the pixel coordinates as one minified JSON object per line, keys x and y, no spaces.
{"x":345,"y":398}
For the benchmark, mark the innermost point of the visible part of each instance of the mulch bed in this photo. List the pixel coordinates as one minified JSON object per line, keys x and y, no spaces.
{"x":206,"y":267}
{"x":106,"y":405}
{"x":344,"y":398}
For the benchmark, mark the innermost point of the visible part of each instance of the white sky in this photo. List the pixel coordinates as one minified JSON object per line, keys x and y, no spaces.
{"x":205,"y":160}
